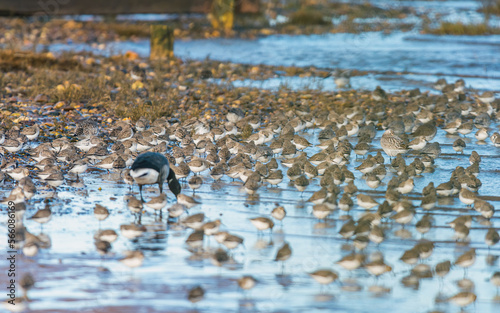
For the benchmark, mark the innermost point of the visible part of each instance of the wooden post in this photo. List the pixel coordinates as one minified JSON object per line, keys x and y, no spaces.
{"x":162,"y":42}
{"x":222,"y":15}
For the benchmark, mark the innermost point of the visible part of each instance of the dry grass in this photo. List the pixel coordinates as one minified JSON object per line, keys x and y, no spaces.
{"x":491,"y":7}
{"x":25,"y":61}
{"x":124,"y":30}
{"x":365,"y":10}
{"x":447,"y":28}
{"x":173,"y":89}
{"x":308,"y":17}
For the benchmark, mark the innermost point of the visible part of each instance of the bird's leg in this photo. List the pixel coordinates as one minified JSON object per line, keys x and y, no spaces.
{"x":140,"y":191}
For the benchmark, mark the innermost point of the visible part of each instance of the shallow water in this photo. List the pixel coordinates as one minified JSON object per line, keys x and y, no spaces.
{"x":396,"y":61}
{"x":69,"y":279}
{"x":400,"y":60}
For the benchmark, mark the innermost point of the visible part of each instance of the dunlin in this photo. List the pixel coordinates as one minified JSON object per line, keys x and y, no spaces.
{"x":278,"y":213}
{"x":232,"y":241}
{"x":176,"y":210}
{"x":247,"y":282}
{"x":194,"y":221}
{"x":467,"y":197}
{"x":31,"y":132}
{"x":341,"y":78}
{"x":379,"y":94}
{"x":495,"y":139}
{"x":195,"y":240}
{"x":262,"y":223}
{"x":42,"y":216}
{"x":12,"y":145}
{"x":78,"y":167}
{"x":495,"y":279}
{"x":463,"y":299}
{"x":366,"y":201}
{"x":481,"y":134}
{"x":284,"y":253}
{"x":324,"y":276}
{"x":195,"y":182}
{"x":157,"y":203}
{"x":187,"y":201}
{"x":100,"y":212}
{"x":347,"y":230}
{"x":467,"y":259}
{"x":196,"y":294}
{"x":87,"y":128}
{"x":377,"y":268}
{"x":351,"y":262}
{"x":492,"y":237}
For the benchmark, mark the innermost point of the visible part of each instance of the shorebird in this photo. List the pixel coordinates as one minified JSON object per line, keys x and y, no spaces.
{"x":463,"y":299}
{"x":487,"y":97}
{"x":196,"y":294}
{"x":31,"y":132}
{"x":100,"y":212}
{"x":152,"y":168}
{"x":12,"y":145}
{"x":379,"y":94}
{"x":262,"y":223}
{"x":351,"y":262}
{"x":392,"y":144}
{"x":467,"y":197}
{"x":427,"y":130}
{"x":194,"y":221}
{"x":440,"y":84}
{"x":495,"y":280}
{"x":157,"y":203}
{"x":187,"y":201}
{"x":78,"y":167}
{"x":341,"y":78}
{"x":377,"y":268}
{"x":481,"y":134}
{"x":459,"y":145}
{"x":247,"y":282}
{"x":324,"y":277}
{"x":495,"y":139}
{"x":283,"y":254}
{"x":278,"y":213}
{"x":234,"y":115}
{"x":87,"y":128}
{"x":366,"y":201}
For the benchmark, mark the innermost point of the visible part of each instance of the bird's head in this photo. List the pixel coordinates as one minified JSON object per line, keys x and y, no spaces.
{"x":173,"y":184}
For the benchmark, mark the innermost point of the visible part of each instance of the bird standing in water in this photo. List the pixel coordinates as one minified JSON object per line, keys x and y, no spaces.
{"x":153,"y":168}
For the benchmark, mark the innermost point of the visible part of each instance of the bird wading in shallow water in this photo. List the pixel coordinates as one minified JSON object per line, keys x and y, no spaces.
{"x":153,"y":168}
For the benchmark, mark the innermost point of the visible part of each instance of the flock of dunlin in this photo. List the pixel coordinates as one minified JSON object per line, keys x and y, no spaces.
{"x":270,"y":151}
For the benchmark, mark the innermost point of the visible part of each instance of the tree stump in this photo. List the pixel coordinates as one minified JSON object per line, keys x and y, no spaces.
{"x":162,"y":42}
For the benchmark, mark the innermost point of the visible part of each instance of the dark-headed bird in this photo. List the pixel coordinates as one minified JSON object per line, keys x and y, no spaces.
{"x":153,"y":168}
